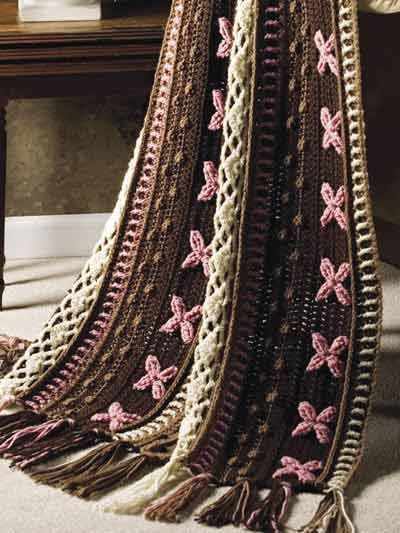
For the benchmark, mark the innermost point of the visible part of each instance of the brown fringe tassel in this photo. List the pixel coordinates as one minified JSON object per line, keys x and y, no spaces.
{"x":88,"y":464}
{"x":231,"y":508}
{"x":331,"y":515}
{"x":170,"y":507}
{"x":270,"y":513}
{"x":31,"y":454}
{"x":17,"y":421}
{"x":107,"y":478}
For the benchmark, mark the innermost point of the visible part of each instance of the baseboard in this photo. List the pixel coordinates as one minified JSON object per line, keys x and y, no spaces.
{"x":53,"y":235}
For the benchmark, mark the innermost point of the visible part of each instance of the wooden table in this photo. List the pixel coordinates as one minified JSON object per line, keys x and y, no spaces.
{"x":117,"y":55}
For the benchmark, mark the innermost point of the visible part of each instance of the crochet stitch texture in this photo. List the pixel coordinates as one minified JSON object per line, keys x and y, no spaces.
{"x":225,"y":330}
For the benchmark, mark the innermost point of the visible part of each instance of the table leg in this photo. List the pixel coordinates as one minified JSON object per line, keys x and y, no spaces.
{"x":3,"y":162}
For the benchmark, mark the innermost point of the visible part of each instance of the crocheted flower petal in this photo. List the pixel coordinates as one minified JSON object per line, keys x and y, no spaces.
{"x":335,"y":366}
{"x":178,"y":307}
{"x":337,"y":119}
{"x":100,"y":417}
{"x":343,"y":272}
{"x":152,"y":366}
{"x":287,"y":470}
{"x":196,"y":241}
{"x":325,"y":117}
{"x":191,"y":260}
{"x":319,"y":39}
{"x":171,"y":325}
{"x":315,"y":363}
{"x":194,"y":314}
{"x":115,"y":409}
{"x":187,"y":332}
{"x":339,"y":344}
{"x":342,"y":295}
{"x":323,"y":433}
{"x":302,"y":429}
{"x":327,"y":269}
{"x":305,"y":476}
{"x":307,"y":411}
{"x":327,"y":415}
{"x":168,"y":373}
{"x":143,"y":383}
{"x":340,"y":196}
{"x":158,"y":390}
{"x":116,"y":425}
{"x":341,"y":219}
{"x":289,"y":461}
{"x":320,"y":344}
{"x":206,"y":266}
{"x":327,"y":193}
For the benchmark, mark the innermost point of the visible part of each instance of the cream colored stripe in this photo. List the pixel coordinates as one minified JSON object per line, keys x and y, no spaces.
{"x":369,"y":303}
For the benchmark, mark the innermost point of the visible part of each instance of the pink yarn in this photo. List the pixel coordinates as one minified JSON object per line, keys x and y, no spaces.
{"x":332,"y":137}
{"x":334,"y":282}
{"x":219,"y":104}
{"x":326,"y":50}
{"x":182,"y":319}
{"x":116,"y":417}
{"x":329,"y":355}
{"x":334,"y":202}
{"x":210,"y":188}
{"x":303,"y":472}
{"x":225,"y":29}
{"x":38,"y":432}
{"x":200,"y":253}
{"x":155,"y":377}
{"x":314,"y":422}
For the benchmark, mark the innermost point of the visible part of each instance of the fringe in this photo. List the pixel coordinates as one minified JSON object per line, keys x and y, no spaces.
{"x":231,"y":508}
{"x":137,"y":496}
{"x":28,"y":427}
{"x":170,"y":507}
{"x":16,"y":421}
{"x":331,"y":515}
{"x":269,"y":515}
{"x":32,"y":454}
{"x":90,"y":463}
{"x":108,"y":478}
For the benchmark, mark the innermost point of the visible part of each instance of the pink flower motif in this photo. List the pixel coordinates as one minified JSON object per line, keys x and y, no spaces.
{"x":200,"y":254}
{"x":334,"y":202}
{"x":326,"y":50}
{"x":225,"y":29}
{"x":303,"y":472}
{"x":314,"y":422}
{"x":219,"y":104}
{"x":334,"y":282}
{"x":116,"y":417}
{"x":329,"y":355}
{"x":332,"y":137}
{"x":155,"y":377}
{"x":182,"y":319}
{"x":210,"y":187}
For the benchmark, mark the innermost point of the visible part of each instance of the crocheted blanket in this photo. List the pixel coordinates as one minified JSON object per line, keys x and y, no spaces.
{"x":225,"y":330}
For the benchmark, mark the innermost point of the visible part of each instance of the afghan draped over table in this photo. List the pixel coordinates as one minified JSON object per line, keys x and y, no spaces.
{"x":225,"y":330}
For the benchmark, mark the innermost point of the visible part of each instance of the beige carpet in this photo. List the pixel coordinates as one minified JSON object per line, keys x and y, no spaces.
{"x":34,"y":288}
